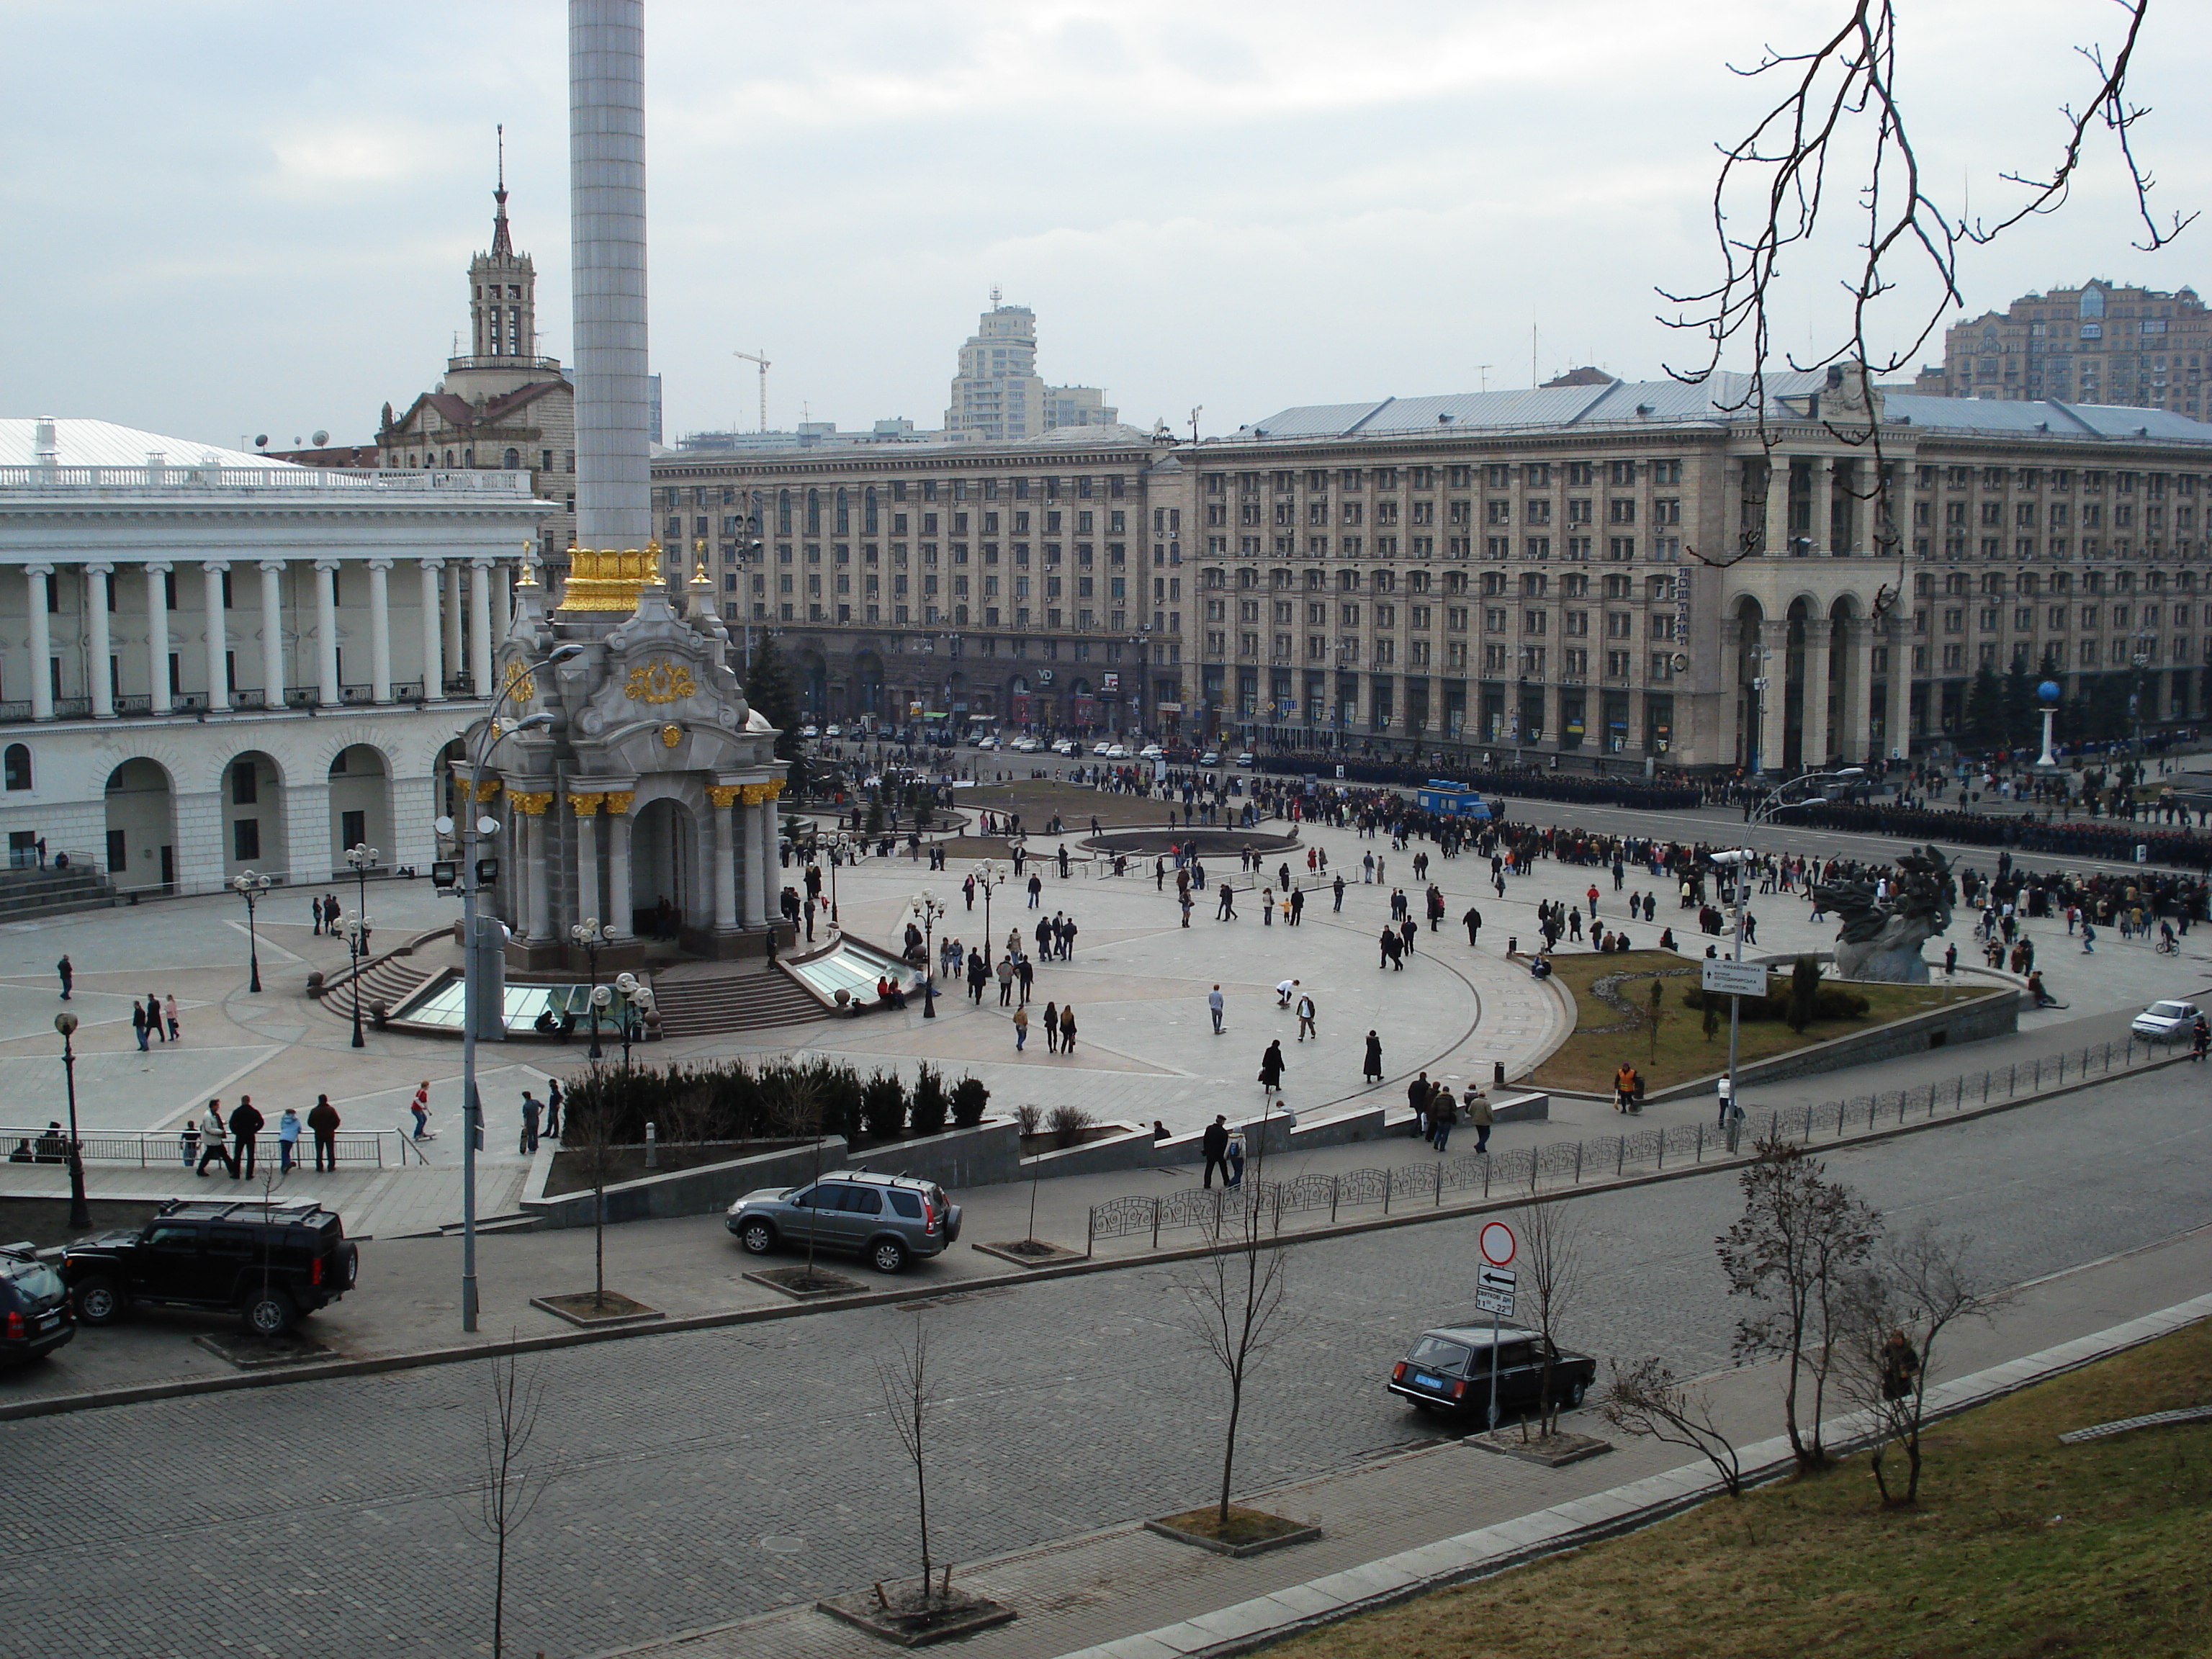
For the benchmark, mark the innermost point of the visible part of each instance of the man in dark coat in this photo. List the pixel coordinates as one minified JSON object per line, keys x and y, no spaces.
{"x":1215,"y":1144}
{"x":324,"y":1121}
{"x":246,"y":1123}
{"x":1474,"y":920}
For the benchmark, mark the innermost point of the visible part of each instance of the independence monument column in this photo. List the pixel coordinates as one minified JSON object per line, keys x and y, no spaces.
{"x":606,"y":219}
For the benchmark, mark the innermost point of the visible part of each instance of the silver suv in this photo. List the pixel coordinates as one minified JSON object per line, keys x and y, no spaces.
{"x":887,"y":1219}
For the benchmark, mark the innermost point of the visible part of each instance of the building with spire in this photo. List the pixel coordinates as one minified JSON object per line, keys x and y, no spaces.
{"x":500,"y":405}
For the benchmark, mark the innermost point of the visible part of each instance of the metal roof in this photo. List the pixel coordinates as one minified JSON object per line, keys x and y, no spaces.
{"x":103,"y":443}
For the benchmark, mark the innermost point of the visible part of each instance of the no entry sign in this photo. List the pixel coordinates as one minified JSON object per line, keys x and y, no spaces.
{"x":1498,"y":1243}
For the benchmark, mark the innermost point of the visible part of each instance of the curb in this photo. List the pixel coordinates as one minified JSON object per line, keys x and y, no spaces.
{"x":1264,"y":1620}
{"x":181,"y":1388}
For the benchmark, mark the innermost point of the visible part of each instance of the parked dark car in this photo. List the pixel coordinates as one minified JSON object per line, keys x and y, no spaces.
{"x":268,"y":1263}
{"x":887,"y":1219}
{"x":34,"y":1309}
{"x":1449,"y":1369}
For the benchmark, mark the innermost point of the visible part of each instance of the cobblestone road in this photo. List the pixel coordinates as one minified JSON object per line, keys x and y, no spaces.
{"x":326,"y":1518}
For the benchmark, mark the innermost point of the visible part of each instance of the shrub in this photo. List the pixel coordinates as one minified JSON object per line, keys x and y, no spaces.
{"x":882,"y":1106}
{"x":1067,"y":1124}
{"x":1804,"y":993}
{"x":1830,"y":1003}
{"x":931,"y":1104}
{"x":969,"y":1097}
{"x":1029,"y":1117}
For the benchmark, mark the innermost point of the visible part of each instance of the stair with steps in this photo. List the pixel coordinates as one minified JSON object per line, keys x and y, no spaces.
{"x":750,"y":1001}
{"x":28,"y":895}
{"x":390,"y":981}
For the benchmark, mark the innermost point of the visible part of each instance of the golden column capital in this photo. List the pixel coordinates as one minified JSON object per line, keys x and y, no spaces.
{"x":724,"y":794}
{"x":618,"y":801}
{"x":585,"y":805}
{"x":532,"y":804}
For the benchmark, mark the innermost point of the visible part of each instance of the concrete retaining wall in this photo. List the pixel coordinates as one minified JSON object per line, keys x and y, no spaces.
{"x":1995,"y":1015}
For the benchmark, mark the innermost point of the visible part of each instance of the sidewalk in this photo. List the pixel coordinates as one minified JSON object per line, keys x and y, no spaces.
{"x":1445,"y":1513}
{"x":404,"y":1312}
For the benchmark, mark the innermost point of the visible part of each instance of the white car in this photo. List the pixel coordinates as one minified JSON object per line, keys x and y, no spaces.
{"x":1026,"y":745}
{"x":1152,"y":751}
{"x":1211,"y":757}
{"x":2166,"y":1022}
{"x":1100,"y":748}
{"x":810,"y":732}
{"x":986,"y":743}
{"x":833,"y":731}
{"x":1117,"y":752}
{"x":1248,"y":760}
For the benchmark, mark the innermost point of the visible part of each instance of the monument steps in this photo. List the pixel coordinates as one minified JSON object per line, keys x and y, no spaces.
{"x":750,"y":1001}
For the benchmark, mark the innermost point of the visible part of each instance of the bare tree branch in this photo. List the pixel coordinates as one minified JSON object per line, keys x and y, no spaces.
{"x":1551,"y":1264}
{"x":1648,"y":1400}
{"x":511,"y":1487}
{"x":1233,"y":1298}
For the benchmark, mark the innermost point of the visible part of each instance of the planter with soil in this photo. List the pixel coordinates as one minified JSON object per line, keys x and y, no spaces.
{"x":907,"y":1615}
{"x":1247,"y":1532}
{"x":1031,"y":1252}
{"x":596,"y":1311}
{"x":805,"y":1284}
{"x":1553,"y":1451}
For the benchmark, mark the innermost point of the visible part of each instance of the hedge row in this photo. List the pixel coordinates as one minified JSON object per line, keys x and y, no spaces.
{"x":734,"y":1100}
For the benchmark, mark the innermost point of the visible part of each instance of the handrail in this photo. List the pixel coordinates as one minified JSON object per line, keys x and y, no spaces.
{"x":152,"y":1149}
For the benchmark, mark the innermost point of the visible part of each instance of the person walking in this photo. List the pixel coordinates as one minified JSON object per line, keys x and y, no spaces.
{"x":1624,"y":1087}
{"x":1370,"y":1067}
{"x":1417,"y":1097}
{"x":1443,"y":1113}
{"x":1226,"y":910}
{"x":1021,"y":1029}
{"x":533,"y":1109}
{"x":1338,"y":888}
{"x":1478,"y":1114}
{"x":1234,"y":1167}
{"x":1067,"y":1027}
{"x":1052,"y":1028}
{"x":1215,"y":1143}
{"x":552,"y":1108}
{"x":67,"y":970}
{"x":245,"y":1126}
{"x":154,"y":1017}
{"x":1271,"y":1068}
{"x":1306,"y":1018}
{"x":212,"y":1140}
{"x":2088,"y":940}
{"x":1024,"y":973}
{"x":324,"y":1121}
{"x":287,"y":1141}
{"x":1474,"y":920}
{"x":1213,"y":1005}
{"x":138,"y":1025}
{"x":169,"y":1015}
{"x":1005,"y":971}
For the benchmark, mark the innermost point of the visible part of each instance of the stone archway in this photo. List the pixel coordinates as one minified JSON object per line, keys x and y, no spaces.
{"x":664,"y":864}
{"x":141,"y":827}
{"x":361,"y":803}
{"x":253,"y":796}
{"x":868,"y":685}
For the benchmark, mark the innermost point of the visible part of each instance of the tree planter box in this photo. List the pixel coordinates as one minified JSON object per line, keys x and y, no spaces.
{"x":1554,"y":1452}
{"x":962,"y":1615}
{"x":1278,"y":1533}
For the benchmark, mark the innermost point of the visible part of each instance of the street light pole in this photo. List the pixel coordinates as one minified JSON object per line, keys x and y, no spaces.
{"x":927,"y":907}
{"x":80,"y":1212}
{"x":354,"y":930}
{"x":589,"y":935}
{"x":250,"y":887}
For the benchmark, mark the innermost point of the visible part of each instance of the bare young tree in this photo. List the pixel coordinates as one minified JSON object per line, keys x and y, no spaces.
{"x":799,"y":1109}
{"x":587,"y":1135}
{"x":1919,"y":1286}
{"x":1551,"y":1264}
{"x":909,"y":1399}
{"x":511,"y":1487}
{"x":1799,"y":1250}
{"x":1648,"y":1400}
{"x":1234,"y":1303}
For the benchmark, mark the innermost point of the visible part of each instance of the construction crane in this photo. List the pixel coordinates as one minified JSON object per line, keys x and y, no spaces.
{"x":757,"y":357}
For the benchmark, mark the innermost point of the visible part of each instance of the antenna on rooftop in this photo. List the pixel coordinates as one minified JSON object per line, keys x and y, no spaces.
{"x":1483,"y":369}
{"x":994,"y":296}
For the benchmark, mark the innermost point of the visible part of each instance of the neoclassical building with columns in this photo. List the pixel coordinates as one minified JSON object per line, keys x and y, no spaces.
{"x":211,"y":661}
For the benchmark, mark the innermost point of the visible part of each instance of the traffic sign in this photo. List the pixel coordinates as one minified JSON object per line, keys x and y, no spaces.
{"x":1739,"y":979}
{"x":1494,"y":1301}
{"x":1504,"y":1280}
{"x":1498,"y":1243}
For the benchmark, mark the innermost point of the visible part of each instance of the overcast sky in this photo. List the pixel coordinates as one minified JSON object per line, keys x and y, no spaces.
{"x":229,"y":219}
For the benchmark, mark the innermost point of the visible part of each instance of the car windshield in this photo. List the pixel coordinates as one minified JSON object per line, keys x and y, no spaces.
{"x":2167,"y":1010}
{"x":1433,"y":1354}
{"x":33,"y":1278}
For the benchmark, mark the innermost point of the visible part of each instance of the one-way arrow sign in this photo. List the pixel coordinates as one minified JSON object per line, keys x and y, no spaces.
{"x":1504,"y":1280}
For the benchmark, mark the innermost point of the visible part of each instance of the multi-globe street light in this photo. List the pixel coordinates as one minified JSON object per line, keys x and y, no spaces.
{"x":927,"y":906}
{"x":80,"y":1212}
{"x":593,"y":938}
{"x":251,"y":886}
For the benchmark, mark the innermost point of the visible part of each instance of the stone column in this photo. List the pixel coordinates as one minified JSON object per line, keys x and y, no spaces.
{"x":380,"y":630}
{"x":272,"y":633}
{"x":157,"y":635}
{"x":102,"y":689}
{"x":766,"y":826}
{"x":756,"y":895}
{"x":1855,"y":741}
{"x":618,"y":906}
{"x":35,"y":578}
{"x":434,"y":636}
{"x":534,"y":910}
{"x":1778,"y":507}
{"x":1814,"y":739}
{"x":1775,"y":670}
{"x":480,"y":574}
{"x":456,"y":659}
{"x":218,"y":636}
{"x":326,"y":631}
{"x":723,"y":798}
{"x":586,"y":807}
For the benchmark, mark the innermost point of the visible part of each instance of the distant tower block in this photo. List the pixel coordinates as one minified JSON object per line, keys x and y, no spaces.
{"x":606,"y":196}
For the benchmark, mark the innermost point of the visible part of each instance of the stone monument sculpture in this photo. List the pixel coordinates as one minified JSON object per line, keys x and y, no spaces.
{"x":1882,"y":932}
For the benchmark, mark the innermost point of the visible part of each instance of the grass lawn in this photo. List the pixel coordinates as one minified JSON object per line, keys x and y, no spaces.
{"x":1587,"y":1061}
{"x":2021,"y":1546}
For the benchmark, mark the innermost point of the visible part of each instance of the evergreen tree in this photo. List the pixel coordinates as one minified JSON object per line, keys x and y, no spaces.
{"x":1985,"y":709}
{"x":768,"y":687}
{"x":2023,"y":722}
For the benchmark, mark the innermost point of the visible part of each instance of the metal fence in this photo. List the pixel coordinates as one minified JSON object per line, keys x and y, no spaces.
{"x":1529,"y":1170}
{"x":364,"y":1149}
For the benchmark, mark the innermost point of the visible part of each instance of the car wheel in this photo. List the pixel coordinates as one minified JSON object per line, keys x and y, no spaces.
{"x":99,"y":1302}
{"x":887,"y":1256}
{"x":267,"y":1313}
{"x":758,"y":1238}
{"x":1574,"y":1394}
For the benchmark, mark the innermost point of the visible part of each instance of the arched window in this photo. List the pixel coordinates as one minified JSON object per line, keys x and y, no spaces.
{"x":18,"y":766}
{"x":514,"y":459}
{"x":868,"y":512}
{"x":813,"y":512}
{"x":844,"y":514}
{"x":783,"y":512}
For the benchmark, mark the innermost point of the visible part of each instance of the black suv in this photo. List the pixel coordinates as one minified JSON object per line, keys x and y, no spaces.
{"x":270,"y":1263}
{"x":35,"y":1310}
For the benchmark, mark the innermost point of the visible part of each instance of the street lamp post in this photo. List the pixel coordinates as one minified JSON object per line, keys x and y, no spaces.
{"x":355,"y":929}
{"x":80,"y":1212}
{"x":987,"y":877}
{"x":362,"y":857}
{"x":250,"y":887}
{"x":927,"y":907}
{"x":637,"y":1002}
{"x":593,"y":938}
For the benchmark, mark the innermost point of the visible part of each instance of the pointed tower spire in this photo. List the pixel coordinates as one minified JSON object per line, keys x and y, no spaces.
{"x":501,"y":246}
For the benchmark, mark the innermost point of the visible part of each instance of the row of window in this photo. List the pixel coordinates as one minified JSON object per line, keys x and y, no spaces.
{"x":1021,"y":618}
{"x":1532,"y":475}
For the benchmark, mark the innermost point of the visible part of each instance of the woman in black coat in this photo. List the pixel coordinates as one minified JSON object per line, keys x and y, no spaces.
{"x":1371,"y":1068}
{"x":1271,"y":1068}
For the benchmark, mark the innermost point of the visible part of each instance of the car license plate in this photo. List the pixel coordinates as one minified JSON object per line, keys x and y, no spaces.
{"x":1428,"y":1382}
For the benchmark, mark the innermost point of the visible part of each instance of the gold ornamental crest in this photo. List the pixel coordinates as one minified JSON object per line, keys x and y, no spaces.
{"x":671,"y":736}
{"x":659,"y":682}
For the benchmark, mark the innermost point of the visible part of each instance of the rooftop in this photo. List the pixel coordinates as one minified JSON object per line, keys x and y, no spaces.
{"x":103,"y":443}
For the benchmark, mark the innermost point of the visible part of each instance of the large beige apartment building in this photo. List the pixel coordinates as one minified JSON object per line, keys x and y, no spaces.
{"x":2097,"y":344}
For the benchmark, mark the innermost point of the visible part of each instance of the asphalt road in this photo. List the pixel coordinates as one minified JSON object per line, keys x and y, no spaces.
{"x":328,"y":1518}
